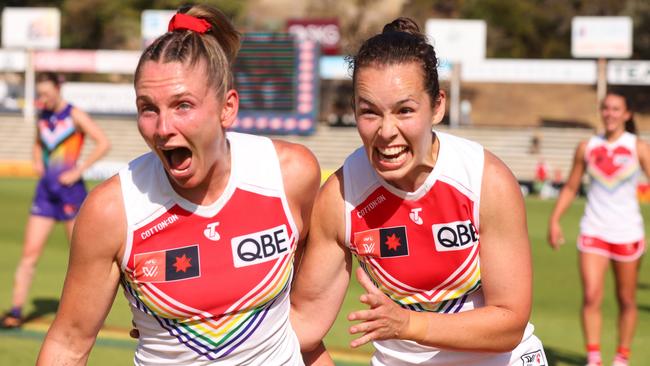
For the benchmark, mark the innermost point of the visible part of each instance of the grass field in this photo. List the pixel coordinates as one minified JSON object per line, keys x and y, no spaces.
{"x":555,"y":310}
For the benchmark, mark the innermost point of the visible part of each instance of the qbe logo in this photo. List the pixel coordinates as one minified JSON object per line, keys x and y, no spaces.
{"x":457,"y":235}
{"x":260,"y":247}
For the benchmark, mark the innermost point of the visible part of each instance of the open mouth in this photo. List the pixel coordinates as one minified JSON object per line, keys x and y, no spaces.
{"x":393,"y":154}
{"x":178,"y":159}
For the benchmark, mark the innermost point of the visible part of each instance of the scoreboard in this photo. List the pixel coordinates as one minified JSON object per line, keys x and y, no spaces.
{"x":265,"y":71}
{"x":276,"y":77}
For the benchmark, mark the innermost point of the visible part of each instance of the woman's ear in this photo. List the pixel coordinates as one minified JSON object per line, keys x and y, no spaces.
{"x":230,"y":108}
{"x":440,"y":108}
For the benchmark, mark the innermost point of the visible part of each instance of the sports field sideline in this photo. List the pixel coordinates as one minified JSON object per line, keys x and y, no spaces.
{"x":555,"y":310}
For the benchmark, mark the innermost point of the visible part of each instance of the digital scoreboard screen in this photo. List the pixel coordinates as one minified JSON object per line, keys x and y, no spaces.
{"x":276,"y":77}
{"x":265,"y":72}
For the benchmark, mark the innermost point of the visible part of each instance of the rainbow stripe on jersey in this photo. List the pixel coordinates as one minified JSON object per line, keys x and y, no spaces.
{"x":209,"y":335}
{"x":611,"y":165}
{"x":211,"y":283}
{"x":420,"y":248}
{"x":60,"y":139}
{"x":612,"y":212}
{"x":447,"y":297}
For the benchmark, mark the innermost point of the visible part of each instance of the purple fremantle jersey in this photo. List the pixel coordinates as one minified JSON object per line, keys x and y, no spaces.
{"x":61,"y":142}
{"x":60,"y":139}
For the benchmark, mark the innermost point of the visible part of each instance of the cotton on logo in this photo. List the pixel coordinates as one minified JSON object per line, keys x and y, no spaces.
{"x":211,"y":233}
{"x":415,"y":215}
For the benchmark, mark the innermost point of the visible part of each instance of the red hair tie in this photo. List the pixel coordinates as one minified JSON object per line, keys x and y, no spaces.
{"x":183,"y":21}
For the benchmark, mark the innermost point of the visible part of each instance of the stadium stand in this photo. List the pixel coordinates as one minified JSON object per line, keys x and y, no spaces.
{"x":331,"y":144}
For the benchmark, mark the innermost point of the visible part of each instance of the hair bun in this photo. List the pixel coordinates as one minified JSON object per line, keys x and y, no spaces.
{"x":403,"y":24}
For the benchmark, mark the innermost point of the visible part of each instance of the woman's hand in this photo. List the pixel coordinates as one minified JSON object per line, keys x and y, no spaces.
{"x":39,"y":168}
{"x":555,"y":236}
{"x":69,"y":177}
{"x":384,"y":319}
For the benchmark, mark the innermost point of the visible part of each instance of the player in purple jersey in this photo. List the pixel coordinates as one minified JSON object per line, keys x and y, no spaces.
{"x":60,"y":132}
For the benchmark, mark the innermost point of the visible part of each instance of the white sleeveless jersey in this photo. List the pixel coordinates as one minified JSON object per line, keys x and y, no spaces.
{"x":612,"y":212}
{"x":422,"y":248}
{"x":210,"y":284}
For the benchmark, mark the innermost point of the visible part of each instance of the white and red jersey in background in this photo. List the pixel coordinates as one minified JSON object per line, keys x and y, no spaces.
{"x":612,"y":212}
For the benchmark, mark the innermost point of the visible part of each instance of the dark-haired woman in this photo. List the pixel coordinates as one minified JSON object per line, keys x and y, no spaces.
{"x":611,"y":229}
{"x":200,"y":232}
{"x":60,"y":132}
{"x":436,"y":222}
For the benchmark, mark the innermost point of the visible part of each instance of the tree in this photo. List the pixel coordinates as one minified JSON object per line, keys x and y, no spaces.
{"x":107,"y":24}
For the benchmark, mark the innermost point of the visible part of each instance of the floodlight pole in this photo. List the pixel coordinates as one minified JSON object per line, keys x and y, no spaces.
{"x":454,"y":102}
{"x":601,"y":82}
{"x":28,"y":107}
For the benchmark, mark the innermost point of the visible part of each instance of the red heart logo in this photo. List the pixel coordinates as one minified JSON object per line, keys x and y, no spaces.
{"x":609,"y":162}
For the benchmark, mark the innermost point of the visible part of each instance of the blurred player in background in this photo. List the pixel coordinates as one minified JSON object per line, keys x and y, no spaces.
{"x":60,"y":132}
{"x":201,"y":232}
{"x":437,"y":223}
{"x":611,"y":229}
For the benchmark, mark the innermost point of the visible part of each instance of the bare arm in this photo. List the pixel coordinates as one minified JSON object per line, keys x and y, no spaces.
{"x":643,"y":150}
{"x":323,"y":276}
{"x":92,"y":278}
{"x":566,"y":196}
{"x":505,"y":276}
{"x":301,"y":176}
{"x":86,"y":125}
{"x":37,"y":156}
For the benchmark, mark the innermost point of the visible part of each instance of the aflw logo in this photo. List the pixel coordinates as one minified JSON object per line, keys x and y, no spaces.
{"x":150,"y":268}
{"x":368,"y":247}
{"x":382,"y":242}
{"x":150,"y":272}
{"x":457,"y":235}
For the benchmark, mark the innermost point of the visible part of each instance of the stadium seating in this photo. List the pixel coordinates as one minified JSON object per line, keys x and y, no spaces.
{"x":332,"y":144}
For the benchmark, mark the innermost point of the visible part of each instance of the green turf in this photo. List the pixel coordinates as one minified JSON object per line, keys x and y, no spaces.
{"x":555,"y":310}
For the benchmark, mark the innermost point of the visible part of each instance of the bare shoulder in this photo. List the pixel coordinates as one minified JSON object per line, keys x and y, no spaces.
{"x":642,"y":146}
{"x":329,"y":208}
{"x":107,"y":194}
{"x":86,"y":124}
{"x":497,"y":175}
{"x":332,"y":189}
{"x":294,"y":153}
{"x":502,"y":211}
{"x":643,"y":153}
{"x":582,"y":147}
{"x":102,"y":219}
{"x":578,"y":157}
{"x":297,"y":162}
{"x":79,"y":116}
